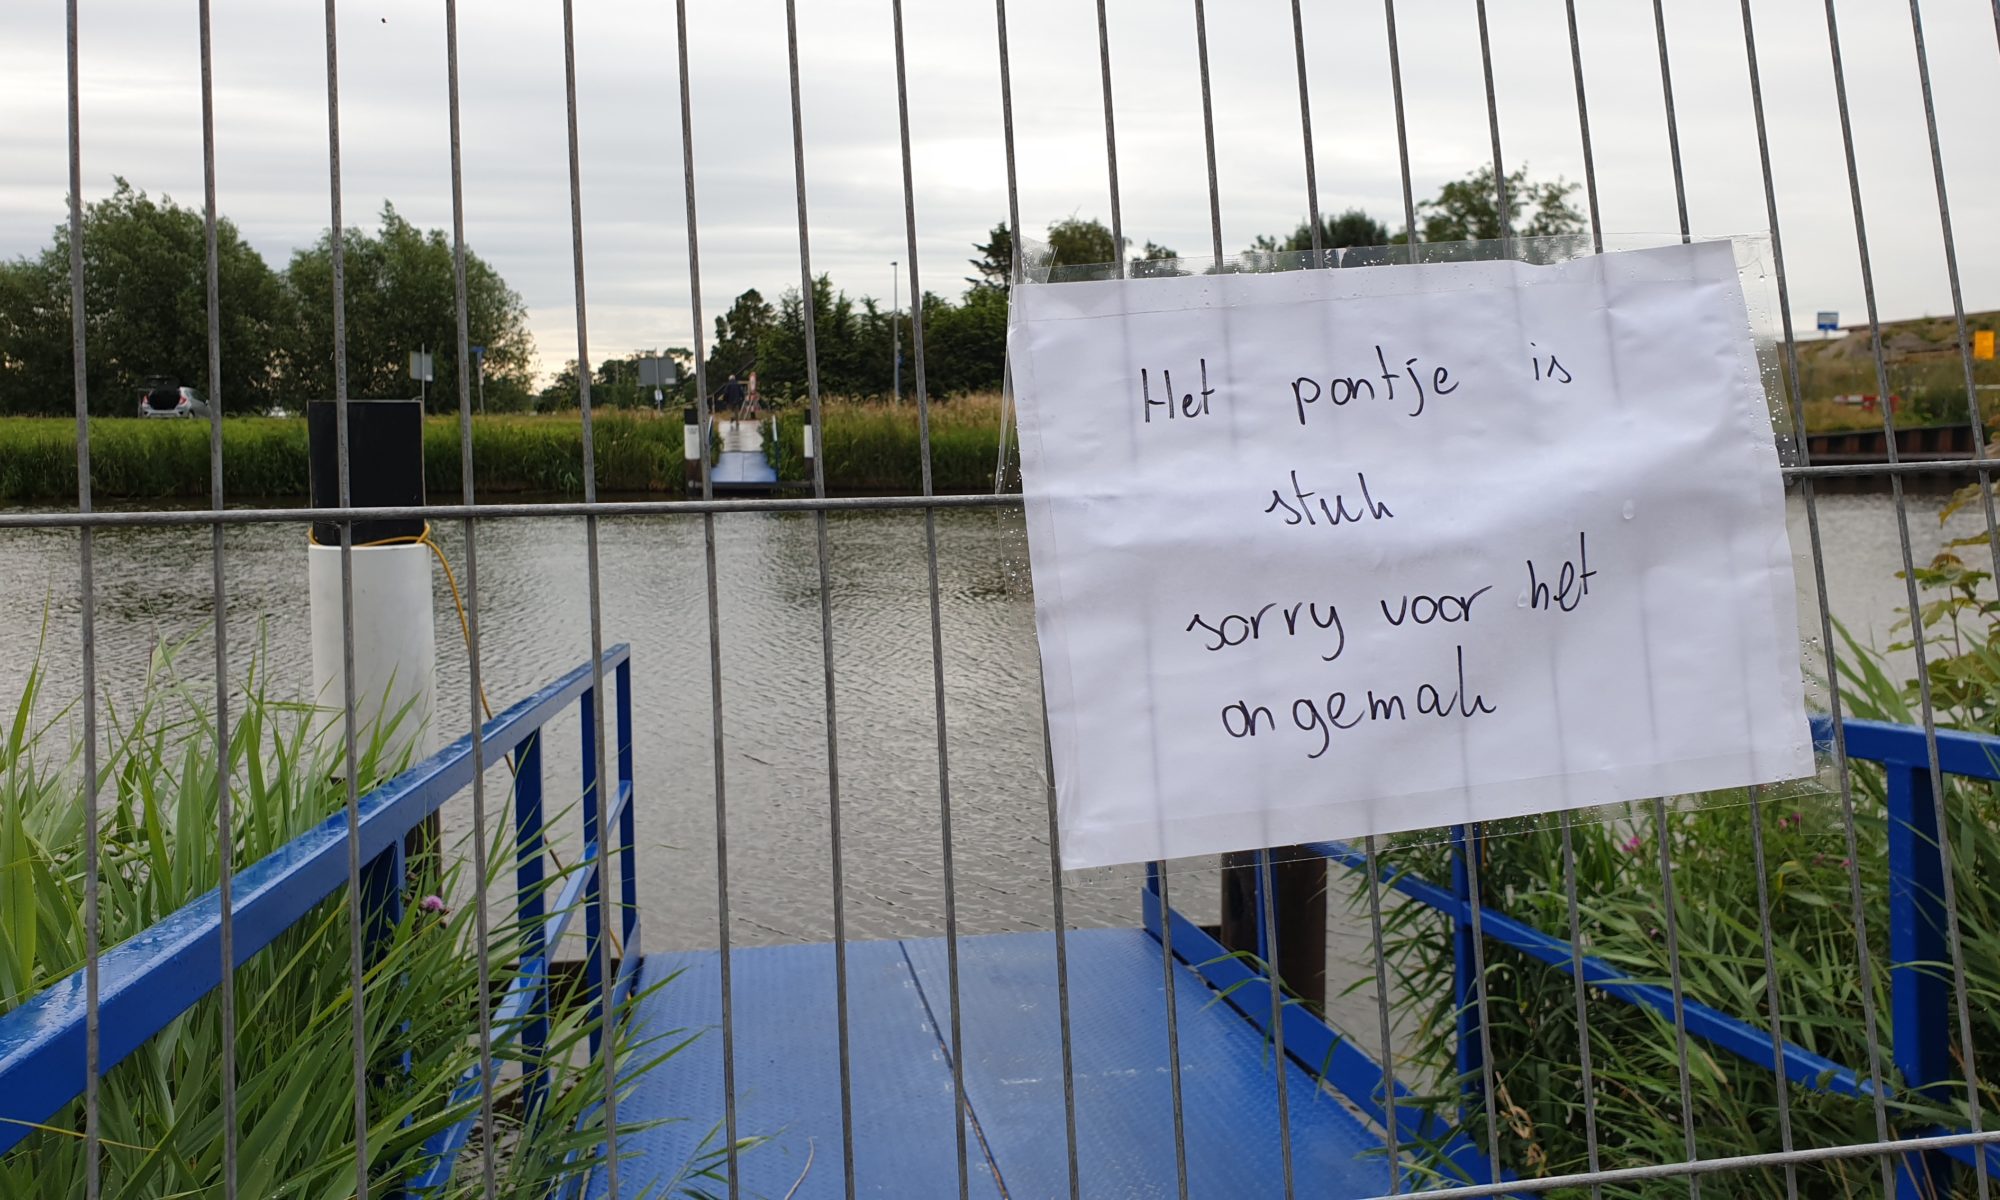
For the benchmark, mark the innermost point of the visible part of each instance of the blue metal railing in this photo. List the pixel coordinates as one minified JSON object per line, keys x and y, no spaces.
{"x":152,"y":978}
{"x":1921,"y":1016}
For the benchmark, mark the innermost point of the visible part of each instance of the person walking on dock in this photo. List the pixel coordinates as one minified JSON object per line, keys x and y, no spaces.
{"x":732,"y":396}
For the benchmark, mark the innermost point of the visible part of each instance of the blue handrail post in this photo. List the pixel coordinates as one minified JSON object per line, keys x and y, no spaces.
{"x":530,"y":906}
{"x":382,"y":896}
{"x":628,"y":863}
{"x":592,"y":865}
{"x":1464,"y":974}
{"x":1920,"y":1000}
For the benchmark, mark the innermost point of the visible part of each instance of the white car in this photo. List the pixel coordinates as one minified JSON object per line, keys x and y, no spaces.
{"x":167,"y":400}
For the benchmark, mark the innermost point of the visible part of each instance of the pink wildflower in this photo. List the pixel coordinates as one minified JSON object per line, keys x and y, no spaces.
{"x":431,"y":904}
{"x":1631,"y":844}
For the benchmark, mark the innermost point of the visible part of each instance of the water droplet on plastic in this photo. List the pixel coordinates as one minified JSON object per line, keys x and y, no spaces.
{"x":1521,"y":601}
{"x":1628,"y":510}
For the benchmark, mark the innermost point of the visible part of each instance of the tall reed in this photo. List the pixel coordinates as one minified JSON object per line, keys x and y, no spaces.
{"x":161,"y":1108}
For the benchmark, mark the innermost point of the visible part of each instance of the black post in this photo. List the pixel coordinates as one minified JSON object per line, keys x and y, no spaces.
{"x":1298,"y":901}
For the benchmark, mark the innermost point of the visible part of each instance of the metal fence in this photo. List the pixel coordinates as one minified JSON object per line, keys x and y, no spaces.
{"x":1881,"y":1151}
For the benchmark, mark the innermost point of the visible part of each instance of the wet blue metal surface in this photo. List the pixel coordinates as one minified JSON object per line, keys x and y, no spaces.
{"x":788,"y":1089}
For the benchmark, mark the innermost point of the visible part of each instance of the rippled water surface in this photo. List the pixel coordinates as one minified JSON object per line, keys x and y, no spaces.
{"x":153,"y":587}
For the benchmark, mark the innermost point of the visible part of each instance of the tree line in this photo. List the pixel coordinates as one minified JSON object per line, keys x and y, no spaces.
{"x":146,"y":314}
{"x":145,"y":311}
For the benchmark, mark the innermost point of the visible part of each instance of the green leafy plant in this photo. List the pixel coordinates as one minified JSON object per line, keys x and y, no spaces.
{"x":161,"y":1108}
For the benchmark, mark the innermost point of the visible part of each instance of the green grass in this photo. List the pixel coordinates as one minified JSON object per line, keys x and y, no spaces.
{"x":876,"y":447}
{"x":265,"y":457}
{"x":161,"y":1108}
{"x":870,"y":447}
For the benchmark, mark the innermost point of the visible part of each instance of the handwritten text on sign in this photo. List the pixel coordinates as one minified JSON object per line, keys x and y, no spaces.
{"x":1327,"y":553}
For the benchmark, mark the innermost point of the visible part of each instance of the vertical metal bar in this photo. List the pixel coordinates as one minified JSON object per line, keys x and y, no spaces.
{"x":1493,"y":128}
{"x":1771,"y":999}
{"x":1671,"y":923}
{"x":531,"y":911}
{"x":225,"y":824}
{"x":476,"y":691}
{"x":1058,"y":917}
{"x":1111,"y":150}
{"x":1402,"y":133}
{"x":1673,"y":127}
{"x":1306,"y":131}
{"x":1266,"y":914}
{"x":336,"y":240}
{"x":594,"y":751}
{"x":1951,"y":272}
{"x":1490,"y":1087}
{"x":937,"y":628}
{"x":1843,"y":780}
{"x":1392,"y":1144}
{"x":835,"y":846}
{"x":1925,"y":706}
{"x":1267,"y":920}
{"x":87,"y":585}
{"x":1208,"y":136}
{"x":1588,"y":1080}
{"x":1374,"y":866}
{"x":1159,"y":869}
{"x":1583,"y":129}
{"x":1978,"y":422}
{"x":730,"y":1148}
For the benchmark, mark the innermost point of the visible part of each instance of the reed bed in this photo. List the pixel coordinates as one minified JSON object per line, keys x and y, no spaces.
{"x":161,"y":1108}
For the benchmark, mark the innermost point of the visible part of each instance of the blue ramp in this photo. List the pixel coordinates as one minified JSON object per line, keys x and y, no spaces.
{"x":1124,"y":1102}
{"x":787,"y":1080}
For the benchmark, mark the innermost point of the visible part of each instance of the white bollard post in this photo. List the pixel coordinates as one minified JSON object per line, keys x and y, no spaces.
{"x":395,"y":646}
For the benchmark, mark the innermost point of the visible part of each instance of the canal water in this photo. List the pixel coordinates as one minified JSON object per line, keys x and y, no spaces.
{"x":153,"y":590}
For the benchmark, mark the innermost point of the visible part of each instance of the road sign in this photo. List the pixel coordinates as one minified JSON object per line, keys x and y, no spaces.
{"x":655,"y":371}
{"x":1828,"y":321}
{"x":421,"y":367}
{"x":1982,"y":343}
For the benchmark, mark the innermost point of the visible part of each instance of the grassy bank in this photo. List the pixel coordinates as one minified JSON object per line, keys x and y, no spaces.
{"x":876,"y":447}
{"x":870,"y":448}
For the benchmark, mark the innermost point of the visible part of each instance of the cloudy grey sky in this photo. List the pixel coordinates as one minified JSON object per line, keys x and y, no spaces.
{"x":141,"y":119}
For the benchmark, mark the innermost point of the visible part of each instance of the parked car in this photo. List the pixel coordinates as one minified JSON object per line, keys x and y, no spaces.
{"x":164,"y":398}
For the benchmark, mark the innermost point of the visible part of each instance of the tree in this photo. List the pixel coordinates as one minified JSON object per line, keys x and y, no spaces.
{"x":737,"y":333}
{"x":399,"y":297}
{"x":145,"y":311}
{"x":1074,"y":242}
{"x":1351,"y":228}
{"x":995,"y":264}
{"x":1467,"y":209}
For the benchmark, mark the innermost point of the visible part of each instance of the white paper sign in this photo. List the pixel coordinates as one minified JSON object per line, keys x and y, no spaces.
{"x":1326,"y":553}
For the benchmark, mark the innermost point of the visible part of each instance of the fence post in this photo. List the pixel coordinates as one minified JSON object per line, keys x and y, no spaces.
{"x":1920,"y":1012}
{"x":1298,"y":905}
{"x":1464,"y":972}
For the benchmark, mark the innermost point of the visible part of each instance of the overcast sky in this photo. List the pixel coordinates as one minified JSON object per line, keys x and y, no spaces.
{"x":141,"y":119}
